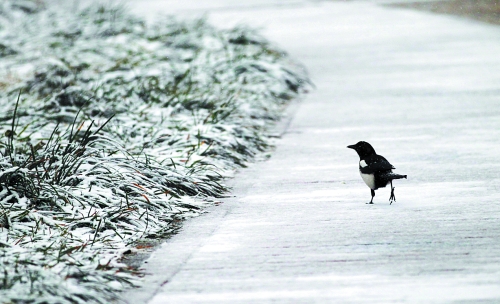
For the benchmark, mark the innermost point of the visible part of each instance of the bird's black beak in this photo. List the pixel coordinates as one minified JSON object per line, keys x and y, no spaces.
{"x":352,"y":147}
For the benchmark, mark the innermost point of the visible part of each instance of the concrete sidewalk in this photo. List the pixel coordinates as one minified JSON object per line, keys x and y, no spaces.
{"x":425,"y":91}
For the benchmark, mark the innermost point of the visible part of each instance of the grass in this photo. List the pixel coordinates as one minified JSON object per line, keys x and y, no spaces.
{"x":113,"y":131}
{"x":482,"y":10}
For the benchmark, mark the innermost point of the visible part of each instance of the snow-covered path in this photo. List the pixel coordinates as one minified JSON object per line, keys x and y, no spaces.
{"x":425,"y":91}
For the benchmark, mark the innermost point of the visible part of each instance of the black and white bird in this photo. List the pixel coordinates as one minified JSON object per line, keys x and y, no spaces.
{"x":375,"y":170}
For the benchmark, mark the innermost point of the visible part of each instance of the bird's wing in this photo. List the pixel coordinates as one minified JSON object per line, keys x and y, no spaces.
{"x":376,"y":163}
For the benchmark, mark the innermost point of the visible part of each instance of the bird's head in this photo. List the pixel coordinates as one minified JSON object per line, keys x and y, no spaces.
{"x":363,"y":149}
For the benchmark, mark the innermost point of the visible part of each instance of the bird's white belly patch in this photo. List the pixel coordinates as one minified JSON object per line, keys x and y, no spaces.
{"x":369,"y":180}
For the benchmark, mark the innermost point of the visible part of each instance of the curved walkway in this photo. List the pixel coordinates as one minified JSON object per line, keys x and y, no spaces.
{"x":424,"y":89}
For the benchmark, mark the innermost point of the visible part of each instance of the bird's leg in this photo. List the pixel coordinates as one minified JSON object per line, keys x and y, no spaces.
{"x":373,"y":195}
{"x":392,"y":198}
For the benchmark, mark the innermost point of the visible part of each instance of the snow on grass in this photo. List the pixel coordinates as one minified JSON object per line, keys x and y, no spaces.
{"x":112,"y":130}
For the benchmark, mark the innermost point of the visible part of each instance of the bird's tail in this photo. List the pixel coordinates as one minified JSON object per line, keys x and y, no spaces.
{"x":394,"y":176}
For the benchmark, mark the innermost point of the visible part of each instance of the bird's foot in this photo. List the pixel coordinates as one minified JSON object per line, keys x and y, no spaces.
{"x":369,"y":203}
{"x":392,"y":198}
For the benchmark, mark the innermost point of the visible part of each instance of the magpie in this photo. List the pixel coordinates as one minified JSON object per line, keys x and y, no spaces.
{"x":375,"y":170}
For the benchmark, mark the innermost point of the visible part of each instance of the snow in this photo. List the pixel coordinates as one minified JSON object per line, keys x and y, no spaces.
{"x":111,"y":138}
{"x":423,"y":90}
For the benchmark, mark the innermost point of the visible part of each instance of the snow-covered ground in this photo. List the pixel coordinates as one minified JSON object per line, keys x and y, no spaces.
{"x":113,"y":131}
{"x":425,"y":91}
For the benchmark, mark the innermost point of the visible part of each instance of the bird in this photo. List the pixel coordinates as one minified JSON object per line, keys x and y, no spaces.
{"x":375,"y":170}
